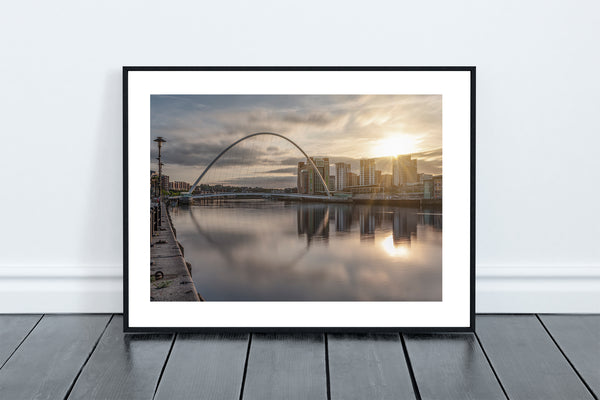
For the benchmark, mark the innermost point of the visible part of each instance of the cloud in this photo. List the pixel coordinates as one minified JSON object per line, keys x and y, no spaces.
{"x":288,"y":170}
{"x":313,"y":118}
{"x":203,"y":153}
{"x":344,"y":128}
{"x":260,"y":181}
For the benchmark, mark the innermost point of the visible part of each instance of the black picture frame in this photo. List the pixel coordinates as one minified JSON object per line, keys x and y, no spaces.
{"x":127,"y":70}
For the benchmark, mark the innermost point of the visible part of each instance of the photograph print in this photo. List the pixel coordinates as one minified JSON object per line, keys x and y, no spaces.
{"x":296,"y":197}
{"x":284,"y":197}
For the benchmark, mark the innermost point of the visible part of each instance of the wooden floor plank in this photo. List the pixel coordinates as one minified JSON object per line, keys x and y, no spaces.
{"x":526,"y":360}
{"x":123,"y":366}
{"x":13,"y":329}
{"x":579,"y":338}
{"x":286,"y":366}
{"x":46,"y":364}
{"x":368,"y":366}
{"x":207,"y":366}
{"x":451,"y":366}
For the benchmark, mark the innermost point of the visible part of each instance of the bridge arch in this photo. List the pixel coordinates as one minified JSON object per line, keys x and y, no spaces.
{"x":248,"y":137}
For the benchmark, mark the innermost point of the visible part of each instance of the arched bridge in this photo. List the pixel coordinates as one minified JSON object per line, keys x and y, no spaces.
{"x":310,"y":161}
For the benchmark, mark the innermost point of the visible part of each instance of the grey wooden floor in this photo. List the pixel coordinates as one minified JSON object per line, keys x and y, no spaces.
{"x":510,"y":356}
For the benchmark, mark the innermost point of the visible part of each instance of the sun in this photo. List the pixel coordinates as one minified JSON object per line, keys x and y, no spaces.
{"x":393,"y":145}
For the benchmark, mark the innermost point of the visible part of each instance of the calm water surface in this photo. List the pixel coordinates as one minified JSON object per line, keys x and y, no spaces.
{"x":244,"y":250}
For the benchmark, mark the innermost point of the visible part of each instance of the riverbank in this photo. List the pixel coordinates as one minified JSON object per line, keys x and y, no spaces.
{"x":170,"y":274}
{"x":418,"y":203}
{"x":414,"y":203}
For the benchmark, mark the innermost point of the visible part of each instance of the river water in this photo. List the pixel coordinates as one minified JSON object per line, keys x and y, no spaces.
{"x":261,"y":250}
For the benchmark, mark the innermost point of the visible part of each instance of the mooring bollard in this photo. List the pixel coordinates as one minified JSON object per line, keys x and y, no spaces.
{"x":156,"y":218}
{"x":153,"y":220}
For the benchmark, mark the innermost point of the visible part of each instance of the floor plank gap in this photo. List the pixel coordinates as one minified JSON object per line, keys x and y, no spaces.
{"x":327,"y":375}
{"x":410,"y":368}
{"x":246,"y":366}
{"x":491,"y":366}
{"x":21,"y":342}
{"x":566,"y":358}
{"x":87,"y":359}
{"x":162,"y":371}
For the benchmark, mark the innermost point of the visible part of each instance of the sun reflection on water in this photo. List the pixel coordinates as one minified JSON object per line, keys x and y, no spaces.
{"x":395,"y":250}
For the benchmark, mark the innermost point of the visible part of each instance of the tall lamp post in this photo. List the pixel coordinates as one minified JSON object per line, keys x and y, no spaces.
{"x":159,"y":140}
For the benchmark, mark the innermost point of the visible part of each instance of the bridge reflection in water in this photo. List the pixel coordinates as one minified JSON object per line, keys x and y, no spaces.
{"x":274,"y":250}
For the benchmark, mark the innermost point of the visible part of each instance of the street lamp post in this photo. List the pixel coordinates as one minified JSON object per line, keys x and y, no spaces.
{"x":159,"y":140}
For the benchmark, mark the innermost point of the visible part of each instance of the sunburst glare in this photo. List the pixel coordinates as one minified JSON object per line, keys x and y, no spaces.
{"x":394,"y":145}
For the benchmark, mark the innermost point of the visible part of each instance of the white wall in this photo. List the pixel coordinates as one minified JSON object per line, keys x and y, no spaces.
{"x":538,"y":127}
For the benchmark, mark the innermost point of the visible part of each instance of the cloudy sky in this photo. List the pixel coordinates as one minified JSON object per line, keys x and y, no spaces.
{"x":343,"y":128}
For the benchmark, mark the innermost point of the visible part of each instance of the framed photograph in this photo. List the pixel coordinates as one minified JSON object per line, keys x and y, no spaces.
{"x":299,"y":198}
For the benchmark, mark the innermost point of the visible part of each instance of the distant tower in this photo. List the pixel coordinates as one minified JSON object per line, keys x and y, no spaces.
{"x":159,"y":140}
{"x":367,"y":172}
{"x":404,"y":170}
{"x":342,"y":175}
{"x":303,"y":172}
{"x":315,"y":186}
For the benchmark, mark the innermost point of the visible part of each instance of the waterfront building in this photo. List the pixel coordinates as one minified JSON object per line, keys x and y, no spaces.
{"x":342,"y":174}
{"x":353,"y":179}
{"x":412,"y":191}
{"x":386,"y":180}
{"x":308,"y":182}
{"x":332,"y":183}
{"x":423,"y":177}
{"x":302,"y":180}
{"x":154,"y":183}
{"x":367,"y":172}
{"x":164,"y":184}
{"x":378,"y":177}
{"x":437,"y":187}
{"x":371,"y":189}
{"x":314,"y":182}
{"x":404,"y":170}
{"x":428,"y":192}
{"x":178,"y":186}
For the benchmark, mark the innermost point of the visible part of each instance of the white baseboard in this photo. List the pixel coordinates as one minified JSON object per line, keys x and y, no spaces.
{"x":51,"y":289}
{"x":505,"y":289}
{"x":563,"y":289}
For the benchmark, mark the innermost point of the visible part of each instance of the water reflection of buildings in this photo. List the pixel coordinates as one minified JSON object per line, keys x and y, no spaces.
{"x":343,"y":218}
{"x":432,"y":219}
{"x":314,"y":220}
{"x":403,"y":226}
{"x":366,"y":222}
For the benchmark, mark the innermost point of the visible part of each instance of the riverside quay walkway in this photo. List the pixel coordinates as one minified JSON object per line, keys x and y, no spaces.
{"x":170,"y":275}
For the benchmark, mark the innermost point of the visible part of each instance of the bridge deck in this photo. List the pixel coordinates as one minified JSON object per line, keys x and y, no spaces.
{"x":258,"y":194}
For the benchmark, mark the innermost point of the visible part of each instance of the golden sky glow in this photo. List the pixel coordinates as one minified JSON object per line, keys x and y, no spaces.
{"x":394,"y":144}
